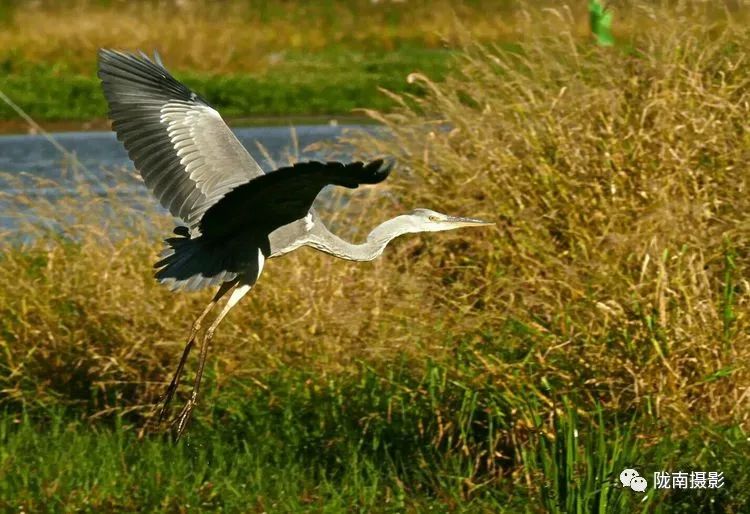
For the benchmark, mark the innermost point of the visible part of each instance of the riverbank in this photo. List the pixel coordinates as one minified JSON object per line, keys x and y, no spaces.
{"x":335,"y":82}
{"x":255,"y":59}
{"x":252,"y":59}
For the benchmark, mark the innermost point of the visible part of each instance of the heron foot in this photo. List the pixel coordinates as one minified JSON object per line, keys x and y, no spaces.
{"x":179,"y":424}
{"x":172,"y":388}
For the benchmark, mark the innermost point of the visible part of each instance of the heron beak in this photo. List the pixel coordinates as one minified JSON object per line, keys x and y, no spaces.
{"x":467,"y":222}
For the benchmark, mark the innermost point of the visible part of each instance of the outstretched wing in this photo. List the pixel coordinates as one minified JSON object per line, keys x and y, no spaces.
{"x":285,"y":195}
{"x":185,"y":153}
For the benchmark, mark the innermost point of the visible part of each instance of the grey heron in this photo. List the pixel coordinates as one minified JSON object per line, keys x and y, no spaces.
{"x":235,"y":215}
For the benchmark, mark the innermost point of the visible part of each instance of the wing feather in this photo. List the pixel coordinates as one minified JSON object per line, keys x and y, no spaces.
{"x":283,"y":196}
{"x":186,"y":154}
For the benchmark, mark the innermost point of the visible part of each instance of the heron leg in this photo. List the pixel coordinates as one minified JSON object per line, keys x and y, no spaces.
{"x":181,"y":421}
{"x":169,"y":394}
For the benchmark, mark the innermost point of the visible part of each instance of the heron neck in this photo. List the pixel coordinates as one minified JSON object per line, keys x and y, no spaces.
{"x":324,"y":240}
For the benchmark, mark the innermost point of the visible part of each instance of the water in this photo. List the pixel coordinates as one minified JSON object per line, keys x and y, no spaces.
{"x":34,"y":169}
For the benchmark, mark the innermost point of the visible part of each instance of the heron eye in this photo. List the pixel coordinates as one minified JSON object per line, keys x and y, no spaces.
{"x":433,"y":218}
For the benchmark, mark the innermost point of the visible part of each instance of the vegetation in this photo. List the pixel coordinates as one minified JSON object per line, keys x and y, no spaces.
{"x":603,"y":324}
{"x":298,"y":446}
{"x":331,"y":82}
{"x":249,"y":59}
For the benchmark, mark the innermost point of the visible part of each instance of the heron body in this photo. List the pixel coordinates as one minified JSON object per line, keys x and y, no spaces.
{"x":234,"y":216}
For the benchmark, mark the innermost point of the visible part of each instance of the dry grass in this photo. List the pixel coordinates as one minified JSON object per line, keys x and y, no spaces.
{"x":82,"y":310}
{"x":618,"y":270}
{"x":254,"y":36}
{"x":238,"y":36}
{"x":620,"y":181}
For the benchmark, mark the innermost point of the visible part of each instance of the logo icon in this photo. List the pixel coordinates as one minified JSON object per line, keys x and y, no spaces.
{"x":638,"y":484}
{"x":631,"y":478}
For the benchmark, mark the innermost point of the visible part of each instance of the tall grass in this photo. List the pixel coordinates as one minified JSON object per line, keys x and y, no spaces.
{"x":247,"y":36}
{"x":578,"y":470}
{"x":616,"y":279}
{"x":259,"y":58}
{"x":253,"y":36}
{"x":620,"y":182}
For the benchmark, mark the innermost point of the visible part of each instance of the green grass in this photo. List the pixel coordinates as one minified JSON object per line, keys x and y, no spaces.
{"x":62,"y":466}
{"x":332,"y":82}
{"x":302,"y":443}
{"x":579,"y":470}
{"x":358,"y":443}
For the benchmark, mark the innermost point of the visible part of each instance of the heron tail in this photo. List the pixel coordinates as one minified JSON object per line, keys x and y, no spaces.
{"x":188,"y":264}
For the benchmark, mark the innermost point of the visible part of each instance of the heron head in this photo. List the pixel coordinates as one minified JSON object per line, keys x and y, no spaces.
{"x":426,"y":220}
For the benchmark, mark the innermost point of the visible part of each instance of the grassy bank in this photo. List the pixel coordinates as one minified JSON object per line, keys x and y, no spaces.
{"x":603,"y":323}
{"x":249,"y":36}
{"x":259,"y":58}
{"x":336,"y":81}
{"x":247,"y":58}
{"x":366,"y":442}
